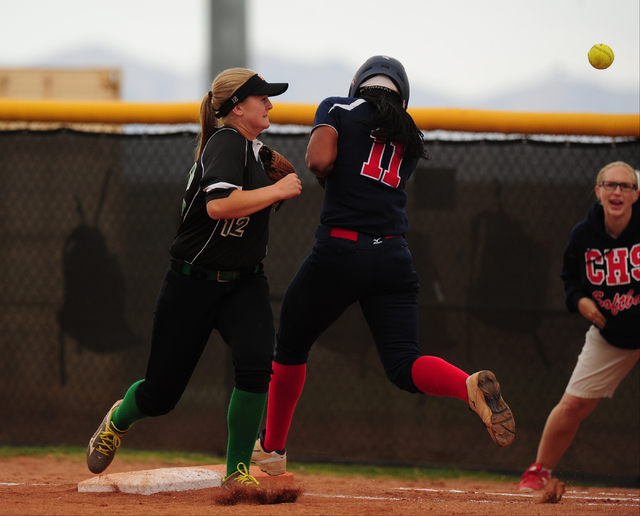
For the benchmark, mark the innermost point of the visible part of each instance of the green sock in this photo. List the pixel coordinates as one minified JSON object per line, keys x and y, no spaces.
{"x":127,"y":412}
{"x":243,"y":419}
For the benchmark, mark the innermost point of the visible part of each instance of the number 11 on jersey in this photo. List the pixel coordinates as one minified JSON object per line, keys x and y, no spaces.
{"x":373,"y":167}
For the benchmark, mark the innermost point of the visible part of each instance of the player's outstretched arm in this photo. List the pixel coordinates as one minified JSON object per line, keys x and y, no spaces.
{"x":241,"y":203}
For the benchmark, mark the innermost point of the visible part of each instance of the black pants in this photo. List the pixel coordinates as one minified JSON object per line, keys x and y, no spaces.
{"x":187,"y":311}
{"x":376,"y":272}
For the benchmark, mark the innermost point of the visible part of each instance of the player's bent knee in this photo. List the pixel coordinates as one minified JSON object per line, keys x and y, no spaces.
{"x":399,"y":374}
{"x":254,"y":376}
{"x":404,"y":382}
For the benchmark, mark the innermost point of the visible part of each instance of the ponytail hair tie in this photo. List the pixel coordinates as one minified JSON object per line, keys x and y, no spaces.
{"x":210,"y":94}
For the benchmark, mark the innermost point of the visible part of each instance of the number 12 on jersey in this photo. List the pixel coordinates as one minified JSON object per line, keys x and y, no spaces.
{"x":234,"y":227}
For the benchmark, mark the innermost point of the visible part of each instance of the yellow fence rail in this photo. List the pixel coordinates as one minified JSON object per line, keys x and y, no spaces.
{"x":427,"y":119}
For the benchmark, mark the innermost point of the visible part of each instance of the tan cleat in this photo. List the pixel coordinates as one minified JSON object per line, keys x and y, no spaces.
{"x":272,"y":463}
{"x":104,"y":443}
{"x":485,"y":399}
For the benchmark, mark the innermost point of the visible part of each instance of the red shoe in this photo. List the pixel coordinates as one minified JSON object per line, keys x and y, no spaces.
{"x":534,"y":479}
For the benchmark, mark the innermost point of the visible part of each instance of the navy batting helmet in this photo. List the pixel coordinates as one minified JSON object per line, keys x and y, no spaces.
{"x":382,"y":65}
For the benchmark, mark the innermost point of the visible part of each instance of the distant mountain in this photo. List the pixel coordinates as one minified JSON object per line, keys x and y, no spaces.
{"x":310,"y":83}
{"x":140,"y":82}
{"x":566,"y":96}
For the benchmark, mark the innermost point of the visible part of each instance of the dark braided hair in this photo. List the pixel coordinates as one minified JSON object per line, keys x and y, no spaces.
{"x":393,"y":120}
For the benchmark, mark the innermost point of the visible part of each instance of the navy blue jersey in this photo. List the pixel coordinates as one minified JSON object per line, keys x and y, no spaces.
{"x":229,"y":161}
{"x":607,"y":270}
{"x":365,"y":190}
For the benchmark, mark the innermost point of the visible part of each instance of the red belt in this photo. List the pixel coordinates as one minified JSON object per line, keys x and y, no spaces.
{"x":347,"y":234}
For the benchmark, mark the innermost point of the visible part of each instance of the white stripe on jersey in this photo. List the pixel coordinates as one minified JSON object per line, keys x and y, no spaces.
{"x":348,"y":107}
{"x":221,"y":186}
{"x":207,"y":242}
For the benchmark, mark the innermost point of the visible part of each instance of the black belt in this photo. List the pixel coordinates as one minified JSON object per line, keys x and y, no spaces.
{"x":220,"y":276}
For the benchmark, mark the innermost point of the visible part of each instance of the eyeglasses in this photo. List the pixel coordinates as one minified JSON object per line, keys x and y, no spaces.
{"x":610,"y":186}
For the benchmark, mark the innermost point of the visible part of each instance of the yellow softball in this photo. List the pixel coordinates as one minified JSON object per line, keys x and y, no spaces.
{"x":600,"y":56}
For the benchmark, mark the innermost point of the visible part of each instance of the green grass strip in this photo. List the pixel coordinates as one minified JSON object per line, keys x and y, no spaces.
{"x":77,"y":455}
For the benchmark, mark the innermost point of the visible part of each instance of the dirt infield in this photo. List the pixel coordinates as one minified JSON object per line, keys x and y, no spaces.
{"x":46,"y":486}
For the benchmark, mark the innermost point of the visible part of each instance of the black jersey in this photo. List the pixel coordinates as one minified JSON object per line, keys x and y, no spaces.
{"x":229,"y":161}
{"x":365,"y":190}
{"x":607,"y":270}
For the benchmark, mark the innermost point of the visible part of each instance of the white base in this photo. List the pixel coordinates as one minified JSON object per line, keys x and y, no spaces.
{"x":152,"y":481}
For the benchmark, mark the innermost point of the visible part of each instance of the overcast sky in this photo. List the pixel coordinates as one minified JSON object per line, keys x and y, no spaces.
{"x":465,"y":48}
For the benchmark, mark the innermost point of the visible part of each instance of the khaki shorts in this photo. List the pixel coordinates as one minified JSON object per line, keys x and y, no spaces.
{"x":600,"y":368}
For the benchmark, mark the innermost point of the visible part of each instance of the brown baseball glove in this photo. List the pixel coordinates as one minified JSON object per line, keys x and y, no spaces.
{"x":275,"y":164}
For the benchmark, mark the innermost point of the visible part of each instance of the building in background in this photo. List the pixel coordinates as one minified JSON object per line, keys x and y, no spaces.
{"x":60,"y":84}
{"x":82,"y":84}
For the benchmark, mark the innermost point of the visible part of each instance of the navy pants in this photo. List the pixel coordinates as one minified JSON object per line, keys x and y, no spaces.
{"x":187,"y":311}
{"x":378,"y":273}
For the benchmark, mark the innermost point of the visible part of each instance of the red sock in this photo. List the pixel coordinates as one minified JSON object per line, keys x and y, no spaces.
{"x":435,"y":376}
{"x":287,"y":382}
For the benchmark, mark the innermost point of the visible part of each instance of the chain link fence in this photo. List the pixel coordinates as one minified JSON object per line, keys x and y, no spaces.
{"x":86,"y":223}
